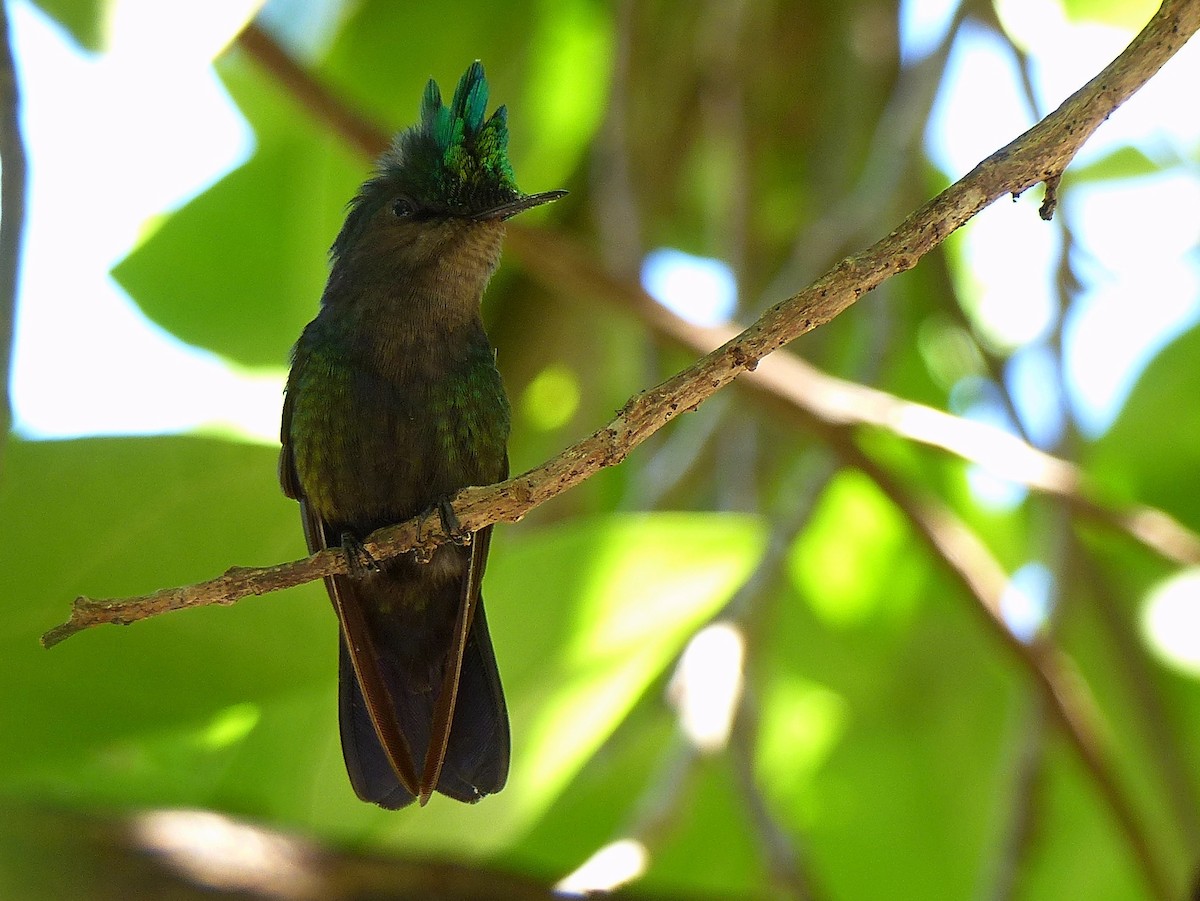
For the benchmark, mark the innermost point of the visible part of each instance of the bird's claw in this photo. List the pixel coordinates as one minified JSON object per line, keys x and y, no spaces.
{"x":358,"y":558}
{"x":450,"y":525}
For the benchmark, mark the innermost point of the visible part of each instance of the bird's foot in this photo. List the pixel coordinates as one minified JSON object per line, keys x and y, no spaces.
{"x":450,"y":525}
{"x":358,"y":558}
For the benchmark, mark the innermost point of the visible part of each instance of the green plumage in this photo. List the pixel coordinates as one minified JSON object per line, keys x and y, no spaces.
{"x":394,"y":404}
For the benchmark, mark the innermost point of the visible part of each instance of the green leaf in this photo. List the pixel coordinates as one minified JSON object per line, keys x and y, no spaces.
{"x":585,"y":618}
{"x":556,"y":95}
{"x":364,"y":64}
{"x":1078,"y":854}
{"x":240,"y":268}
{"x":1130,"y":15}
{"x":733,"y":865}
{"x":1099,"y":626}
{"x":566,"y":92}
{"x":885,"y":709}
{"x":854,"y":562}
{"x":85,"y":20}
{"x":1123,"y":162}
{"x":235,"y":708}
{"x":154,"y":713}
{"x":1161,"y":413}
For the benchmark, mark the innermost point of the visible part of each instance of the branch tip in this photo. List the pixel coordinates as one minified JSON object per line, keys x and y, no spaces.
{"x":1050,"y":201}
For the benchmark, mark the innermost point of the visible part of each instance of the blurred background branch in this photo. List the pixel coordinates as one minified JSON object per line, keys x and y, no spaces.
{"x":648,"y":411}
{"x":557,"y":263}
{"x":12,"y":214}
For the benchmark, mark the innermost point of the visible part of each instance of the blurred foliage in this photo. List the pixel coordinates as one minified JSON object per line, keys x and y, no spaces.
{"x":86,"y":20}
{"x":1122,"y":13}
{"x":897,"y":746}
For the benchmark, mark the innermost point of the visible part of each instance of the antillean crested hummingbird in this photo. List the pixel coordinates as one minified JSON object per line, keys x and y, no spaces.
{"x":393,"y":404}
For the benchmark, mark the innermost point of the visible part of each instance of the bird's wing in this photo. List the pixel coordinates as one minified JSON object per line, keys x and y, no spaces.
{"x":355,"y":634}
{"x":443,"y":712}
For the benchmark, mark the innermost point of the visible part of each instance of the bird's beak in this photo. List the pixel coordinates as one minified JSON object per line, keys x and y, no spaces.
{"x":520,"y":205}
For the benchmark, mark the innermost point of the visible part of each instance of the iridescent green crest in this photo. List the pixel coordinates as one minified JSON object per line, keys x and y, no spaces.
{"x":454,"y":158}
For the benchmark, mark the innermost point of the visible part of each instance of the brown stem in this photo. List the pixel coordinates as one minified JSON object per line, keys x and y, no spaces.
{"x":12,"y":213}
{"x":558,"y":263}
{"x":1055,"y":677}
{"x":1041,"y":152}
{"x":357,"y":130}
{"x":820,"y":400}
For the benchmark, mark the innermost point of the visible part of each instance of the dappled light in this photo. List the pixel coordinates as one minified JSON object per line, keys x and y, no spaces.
{"x":222,"y":854}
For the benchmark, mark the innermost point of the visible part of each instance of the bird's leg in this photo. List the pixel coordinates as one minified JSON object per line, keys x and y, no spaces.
{"x":450,"y":524}
{"x":358,"y":558}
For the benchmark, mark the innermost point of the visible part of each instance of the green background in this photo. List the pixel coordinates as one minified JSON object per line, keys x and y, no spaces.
{"x":895,"y":745}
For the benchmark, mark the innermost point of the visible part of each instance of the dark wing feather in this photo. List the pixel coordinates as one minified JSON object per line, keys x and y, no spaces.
{"x":447,"y":698}
{"x":379,"y":701}
{"x":477,"y":752}
{"x":358,"y":648}
{"x":383,"y":720}
{"x":287,"y":464}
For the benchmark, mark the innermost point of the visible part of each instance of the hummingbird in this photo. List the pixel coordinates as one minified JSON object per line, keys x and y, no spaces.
{"x":393,"y":403}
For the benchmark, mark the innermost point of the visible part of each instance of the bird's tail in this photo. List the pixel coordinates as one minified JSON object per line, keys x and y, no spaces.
{"x":411,"y":652}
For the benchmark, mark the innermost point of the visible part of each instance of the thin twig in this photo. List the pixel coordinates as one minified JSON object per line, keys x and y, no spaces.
{"x":1025,"y":810}
{"x":1020,"y":826}
{"x":786,"y":855}
{"x":1055,"y":677}
{"x":12,"y":214}
{"x":235,"y":583}
{"x":785,"y":860}
{"x":660,"y":806}
{"x":357,"y":130}
{"x":1041,"y":152}
{"x":846,"y":221}
{"x":1135,"y":669}
{"x":559,"y":263}
{"x":821,"y":399}
{"x":615,"y":210}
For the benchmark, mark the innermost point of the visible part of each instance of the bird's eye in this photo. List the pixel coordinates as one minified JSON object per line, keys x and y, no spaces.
{"x":404,"y":209}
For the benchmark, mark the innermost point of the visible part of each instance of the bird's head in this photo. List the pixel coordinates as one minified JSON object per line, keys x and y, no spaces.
{"x":441,"y":193}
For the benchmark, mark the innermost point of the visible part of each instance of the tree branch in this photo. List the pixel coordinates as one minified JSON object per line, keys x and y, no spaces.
{"x":1039,"y":154}
{"x":1134,"y":668}
{"x":1055,"y":676}
{"x":824,"y":401}
{"x":12,"y":213}
{"x":558,"y":262}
